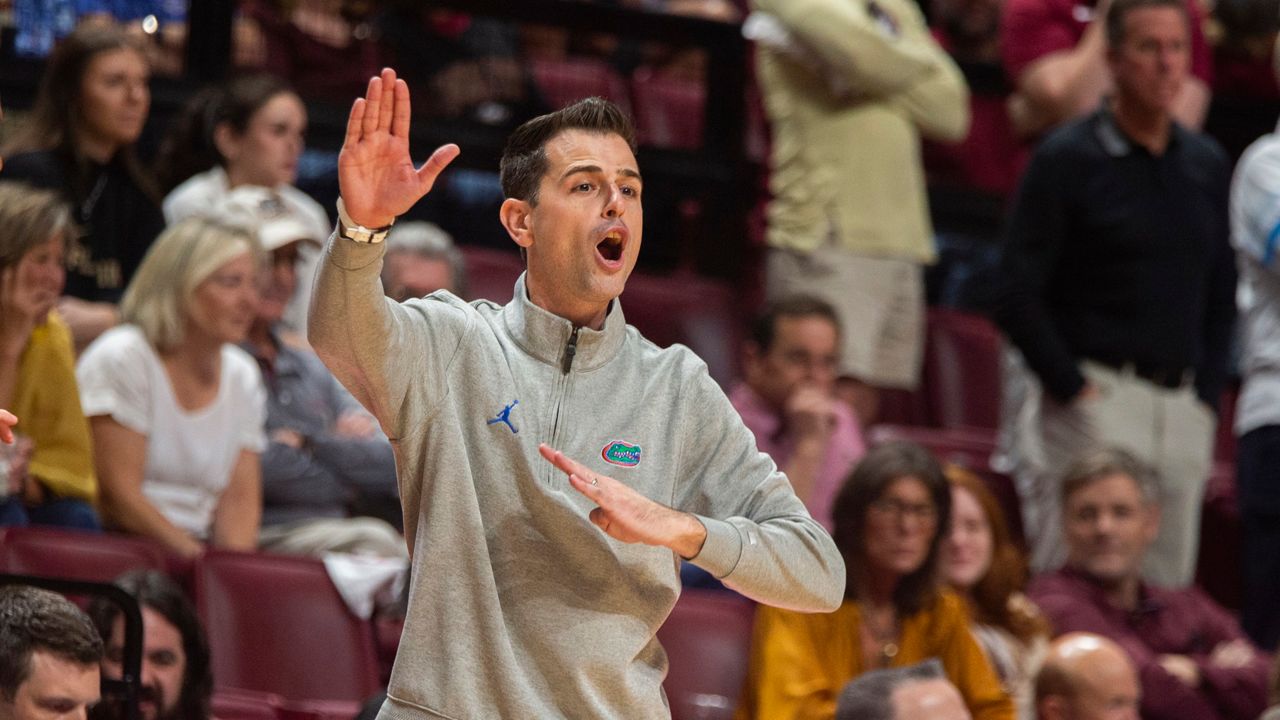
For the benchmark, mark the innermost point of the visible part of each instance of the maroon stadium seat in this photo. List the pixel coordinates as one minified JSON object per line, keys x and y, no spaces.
{"x":278,"y":625}
{"x":707,"y":639}
{"x":76,"y":555}
{"x":563,"y":82}
{"x":669,"y":111}
{"x":962,"y":370}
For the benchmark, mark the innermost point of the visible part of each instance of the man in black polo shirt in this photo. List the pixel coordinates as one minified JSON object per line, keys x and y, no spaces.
{"x":1117,"y":289}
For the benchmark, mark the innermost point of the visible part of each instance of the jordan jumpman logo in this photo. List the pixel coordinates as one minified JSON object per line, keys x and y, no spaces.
{"x":505,"y":416}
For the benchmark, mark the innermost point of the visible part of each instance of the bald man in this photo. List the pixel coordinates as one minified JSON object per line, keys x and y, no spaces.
{"x":1087,"y":677}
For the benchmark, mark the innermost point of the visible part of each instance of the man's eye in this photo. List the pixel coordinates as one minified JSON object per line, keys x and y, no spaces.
{"x":583,"y":187}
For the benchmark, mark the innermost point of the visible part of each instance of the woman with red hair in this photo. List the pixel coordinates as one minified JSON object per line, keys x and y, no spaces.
{"x":981,"y":562}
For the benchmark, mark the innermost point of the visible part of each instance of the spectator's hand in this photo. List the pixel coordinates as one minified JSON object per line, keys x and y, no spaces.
{"x":626,"y":515}
{"x":1232,"y":655}
{"x":7,"y":421}
{"x":20,"y":482}
{"x":811,"y":413}
{"x":288,"y":438}
{"x":1181,"y":667}
{"x":376,"y":177}
{"x":1087,"y":393}
{"x":355,"y":424}
{"x":21,"y":309}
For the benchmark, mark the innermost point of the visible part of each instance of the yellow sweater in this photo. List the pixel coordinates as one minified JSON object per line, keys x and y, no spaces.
{"x":800,"y":662}
{"x":47,"y":403}
{"x":850,"y":161}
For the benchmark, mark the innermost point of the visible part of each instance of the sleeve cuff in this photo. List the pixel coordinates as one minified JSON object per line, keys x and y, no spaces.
{"x":721,"y":550}
{"x":351,"y":255}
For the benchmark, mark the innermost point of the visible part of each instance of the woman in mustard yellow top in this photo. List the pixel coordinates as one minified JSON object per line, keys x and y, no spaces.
{"x":51,"y":481}
{"x":890,"y":518}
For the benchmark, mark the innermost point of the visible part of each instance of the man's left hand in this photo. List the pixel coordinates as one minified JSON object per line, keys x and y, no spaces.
{"x":626,"y":515}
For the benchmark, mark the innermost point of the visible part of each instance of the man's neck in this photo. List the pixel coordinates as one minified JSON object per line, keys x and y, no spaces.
{"x":580,"y":314}
{"x":1148,"y":128}
{"x":1124,"y":593}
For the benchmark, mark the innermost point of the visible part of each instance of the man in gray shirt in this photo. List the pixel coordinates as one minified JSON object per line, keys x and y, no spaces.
{"x":537,"y":586}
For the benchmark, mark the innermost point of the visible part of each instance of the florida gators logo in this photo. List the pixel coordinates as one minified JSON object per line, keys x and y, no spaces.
{"x":617,"y":452}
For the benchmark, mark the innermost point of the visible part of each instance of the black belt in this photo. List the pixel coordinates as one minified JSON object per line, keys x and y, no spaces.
{"x":1161,"y":375}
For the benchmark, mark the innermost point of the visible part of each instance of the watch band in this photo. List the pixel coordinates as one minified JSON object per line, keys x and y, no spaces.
{"x":352,"y":230}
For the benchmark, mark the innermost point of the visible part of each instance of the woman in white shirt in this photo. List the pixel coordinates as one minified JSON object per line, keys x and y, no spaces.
{"x":176,"y":409}
{"x":248,"y":131}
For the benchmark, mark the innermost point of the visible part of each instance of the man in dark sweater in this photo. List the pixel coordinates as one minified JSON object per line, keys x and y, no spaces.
{"x":1117,"y":291}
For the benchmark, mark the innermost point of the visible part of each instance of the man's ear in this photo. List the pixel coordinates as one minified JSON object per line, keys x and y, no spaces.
{"x":517,"y":218}
{"x":1151,"y":521}
{"x":751,"y":354}
{"x":1052,"y":707}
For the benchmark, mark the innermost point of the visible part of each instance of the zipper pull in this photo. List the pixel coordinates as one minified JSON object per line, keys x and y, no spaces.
{"x":570,"y":350}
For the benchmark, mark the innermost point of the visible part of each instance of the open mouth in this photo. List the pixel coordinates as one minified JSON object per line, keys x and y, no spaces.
{"x":610,"y":248}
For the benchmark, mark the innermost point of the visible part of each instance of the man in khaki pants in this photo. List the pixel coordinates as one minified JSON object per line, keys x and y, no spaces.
{"x":1117,"y":290}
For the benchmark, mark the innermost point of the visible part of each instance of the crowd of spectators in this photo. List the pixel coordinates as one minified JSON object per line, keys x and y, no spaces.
{"x":151,"y":346}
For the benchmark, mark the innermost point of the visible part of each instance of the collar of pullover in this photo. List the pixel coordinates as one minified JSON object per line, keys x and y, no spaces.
{"x":545,"y":336}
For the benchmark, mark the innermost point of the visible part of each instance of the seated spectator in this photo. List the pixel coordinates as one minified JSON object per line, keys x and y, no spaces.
{"x":981,"y":563}
{"x":246,"y":132}
{"x":37,"y":367}
{"x":324,"y":452}
{"x":49,"y":655}
{"x":1086,"y":677}
{"x":177,"y":681}
{"x":1191,"y":655}
{"x":421,"y":259}
{"x":890,"y":518}
{"x":175,"y":408}
{"x":324,"y":48}
{"x":1055,"y":55}
{"x":790,"y":365}
{"x":460,"y":66}
{"x":91,"y":107}
{"x":916,"y":692}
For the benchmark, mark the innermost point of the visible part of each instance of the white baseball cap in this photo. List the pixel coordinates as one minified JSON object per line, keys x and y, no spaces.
{"x":263,"y":212}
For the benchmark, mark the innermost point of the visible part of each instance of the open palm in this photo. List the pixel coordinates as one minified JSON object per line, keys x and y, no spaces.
{"x":376,"y":176}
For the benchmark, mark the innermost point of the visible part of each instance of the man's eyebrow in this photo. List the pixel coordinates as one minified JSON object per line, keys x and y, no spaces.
{"x":575,"y":169}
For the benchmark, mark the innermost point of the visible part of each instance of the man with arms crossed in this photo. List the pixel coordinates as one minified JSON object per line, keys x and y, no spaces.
{"x":532,"y":595}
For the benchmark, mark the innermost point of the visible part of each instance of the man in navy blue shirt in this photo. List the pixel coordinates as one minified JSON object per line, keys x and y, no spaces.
{"x":1117,"y":292}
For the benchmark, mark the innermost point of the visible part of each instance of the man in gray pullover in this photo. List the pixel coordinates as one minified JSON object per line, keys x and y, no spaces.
{"x":539,"y":577}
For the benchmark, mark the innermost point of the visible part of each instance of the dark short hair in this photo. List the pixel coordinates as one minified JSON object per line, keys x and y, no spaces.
{"x":765,"y":326}
{"x":882,"y":465}
{"x":524,"y":161}
{"x":153,"y":589}
{"x":32,"y":619}
{"x":870,"y":695}
{"x":1104,"y":462}
{"x":1120,"y":9}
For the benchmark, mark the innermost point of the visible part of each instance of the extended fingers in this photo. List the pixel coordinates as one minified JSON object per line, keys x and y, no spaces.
{"x":563,"y":462}
{"x":372,"y":106}
{"x":435,"y":164}
{"x":354,"y":123}
{"x":400,"y":119}
{"x":386,"y":109}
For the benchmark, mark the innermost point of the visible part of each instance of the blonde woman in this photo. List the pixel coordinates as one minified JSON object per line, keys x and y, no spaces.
{"x":50,"y":478}
{"x":176,"y":409}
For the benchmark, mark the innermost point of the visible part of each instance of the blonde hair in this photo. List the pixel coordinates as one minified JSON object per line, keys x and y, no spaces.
{"x":29,"y":218}
{"x":158,"y":298}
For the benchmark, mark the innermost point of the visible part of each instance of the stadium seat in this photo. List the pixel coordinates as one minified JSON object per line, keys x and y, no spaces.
{"x":669,"y":112}
{"x":707,"y":639}
{"x":76,"y":555}
{"x":962,"y":370}
{"x":563,"y":82}
{"x":278,"y":625}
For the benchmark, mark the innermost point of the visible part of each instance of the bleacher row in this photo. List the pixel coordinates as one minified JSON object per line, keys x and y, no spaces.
{"x":284,"y":645}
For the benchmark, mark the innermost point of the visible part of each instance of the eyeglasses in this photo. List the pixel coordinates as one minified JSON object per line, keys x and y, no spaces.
{"x":925,"y":513}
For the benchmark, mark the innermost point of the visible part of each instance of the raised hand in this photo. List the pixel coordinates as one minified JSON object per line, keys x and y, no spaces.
{"x":626,"y":515}
{"x":376,"y":177}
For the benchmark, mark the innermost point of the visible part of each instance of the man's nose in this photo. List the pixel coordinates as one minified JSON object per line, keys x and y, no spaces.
{"x":614,"y":206}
